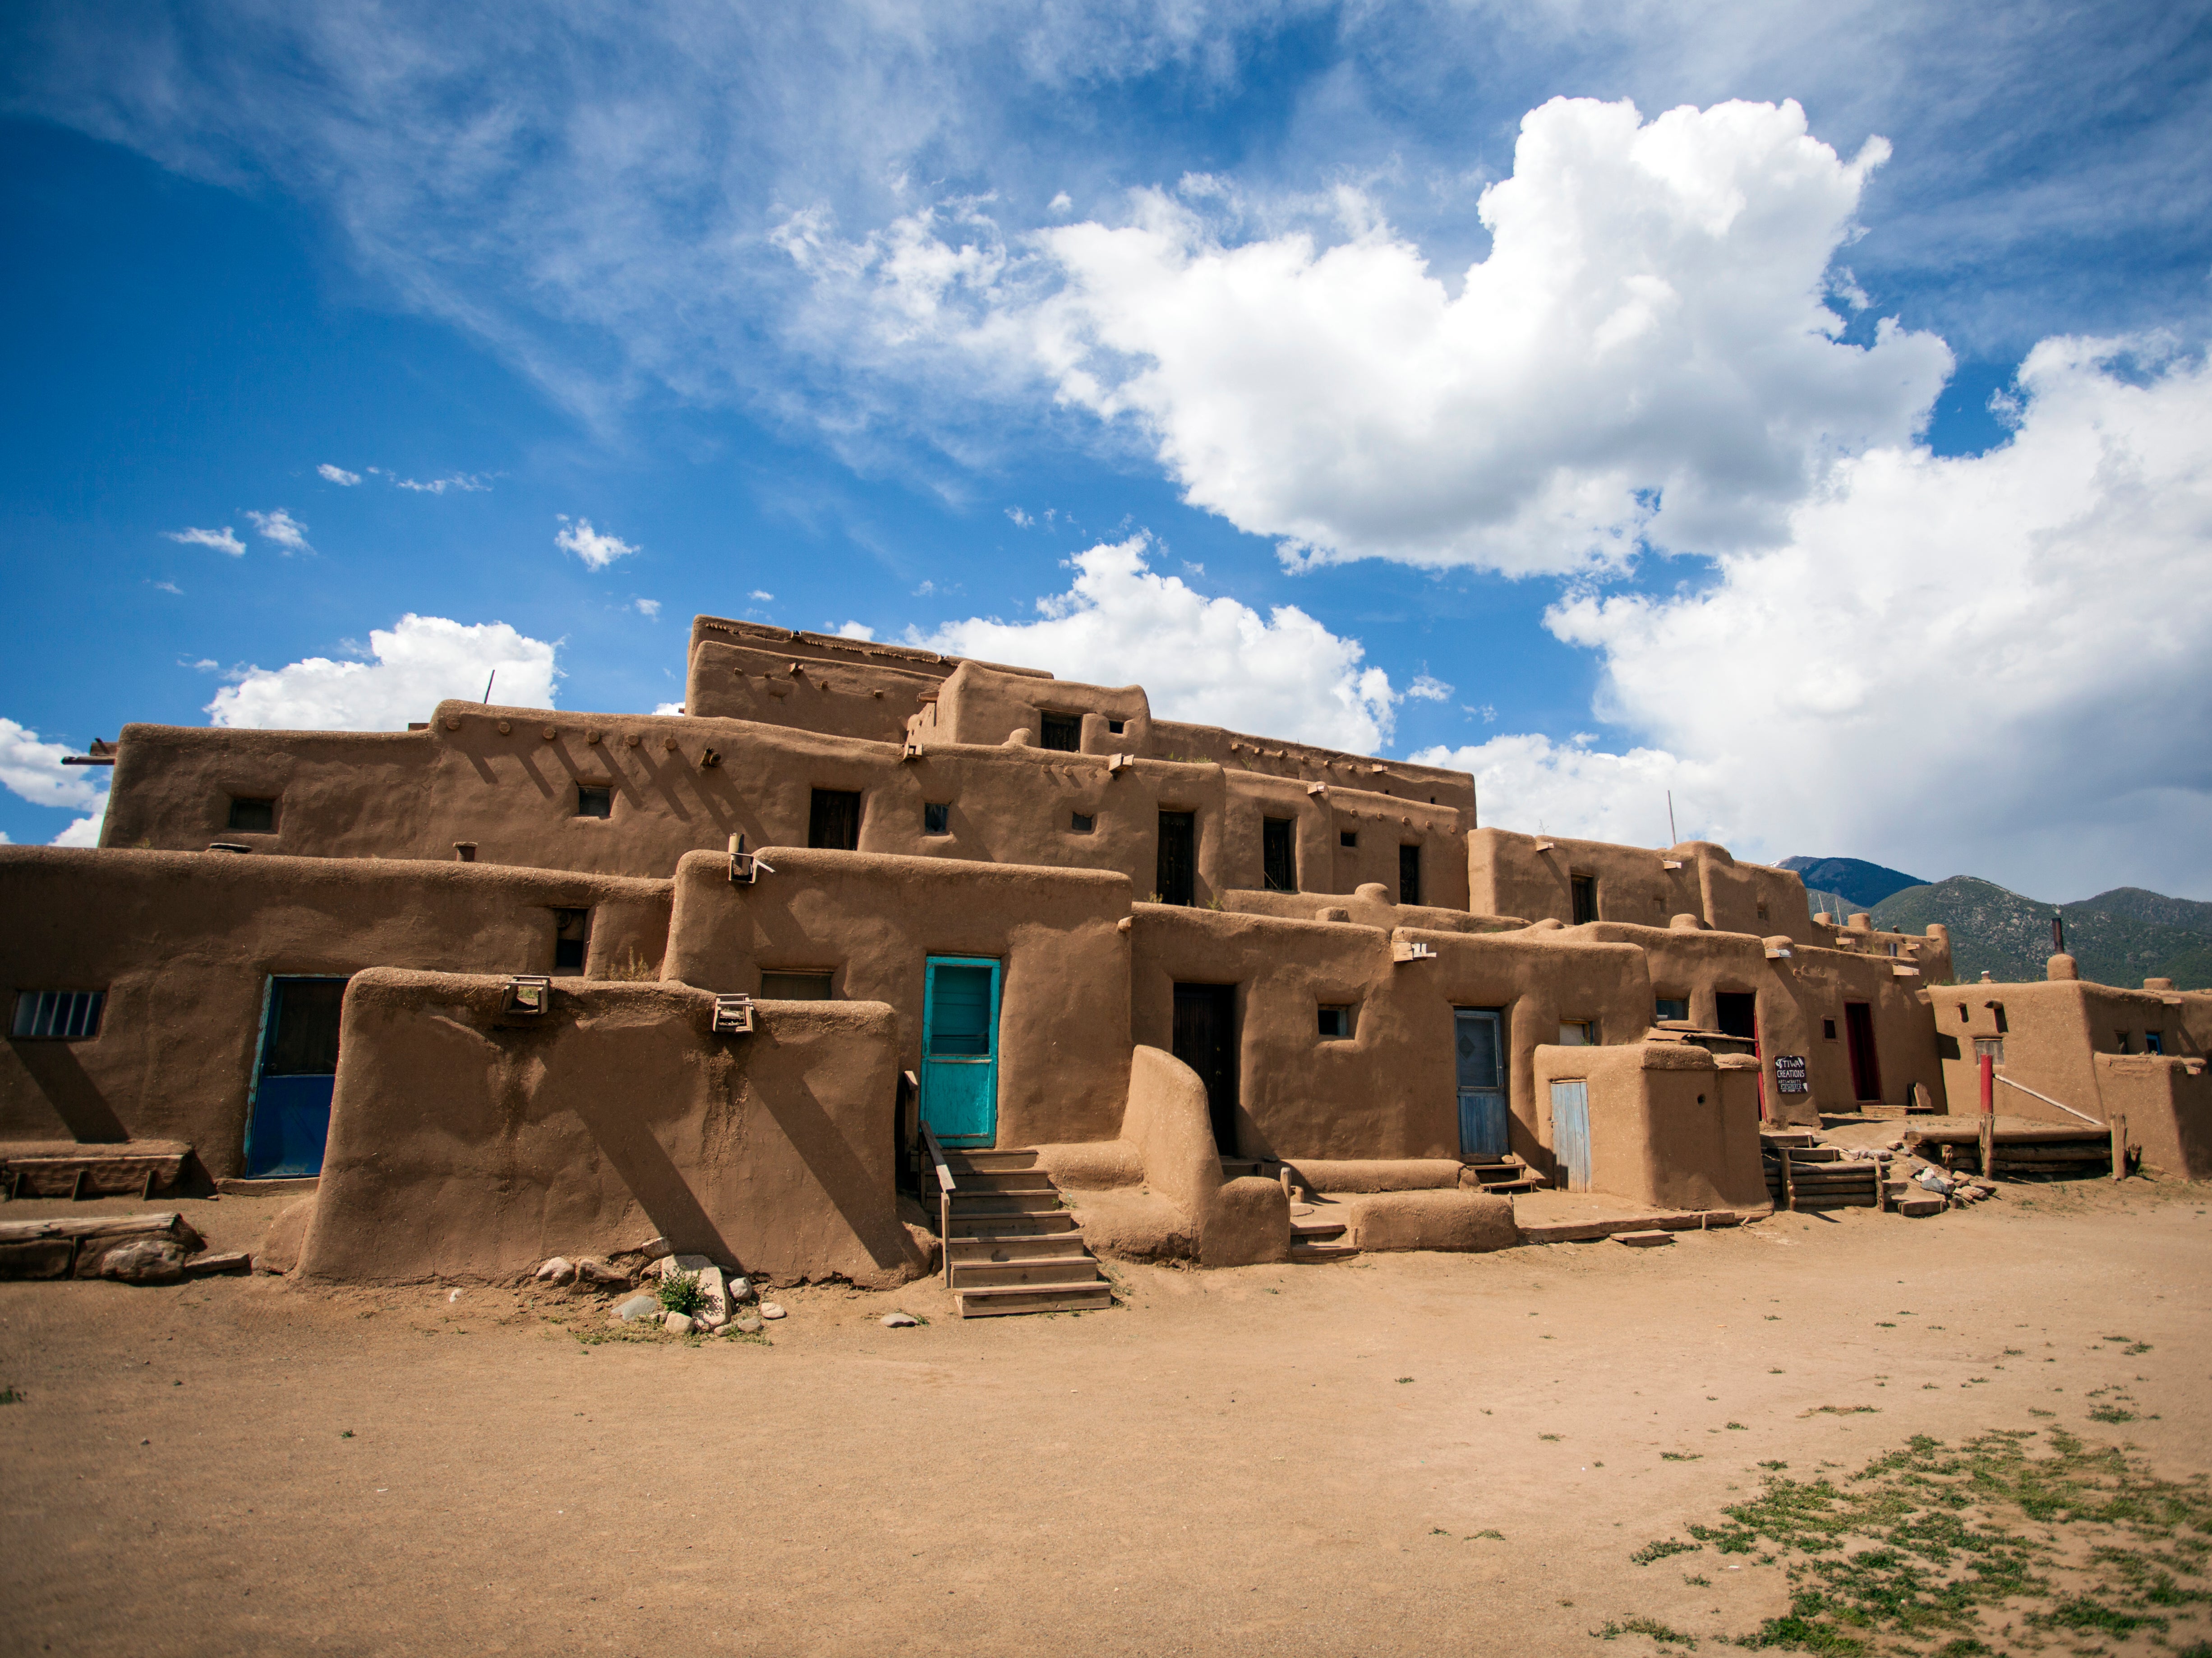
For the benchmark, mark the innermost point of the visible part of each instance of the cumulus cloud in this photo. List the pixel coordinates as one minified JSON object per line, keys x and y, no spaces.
{"x":465,"y":482}
{"x":647,"y":608}
{"x":338,"y":475}
{"x":409,"y":668}
{"x":1992,"y":663}
{"x":765,"y":599}
{"x":33,"y":770}
{"x":668,"y":708}
{"x":85,"y":831}
{"x":856,"y":631}
{"x":596,"y":550}
{"x":1200,"y":659}
{"x":1427,"y":687}
{"x":222,"y":540}
{"x":280,"y":527}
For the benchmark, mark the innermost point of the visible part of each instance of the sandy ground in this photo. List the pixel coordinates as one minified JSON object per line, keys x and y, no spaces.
{"x":1272,"y":1459}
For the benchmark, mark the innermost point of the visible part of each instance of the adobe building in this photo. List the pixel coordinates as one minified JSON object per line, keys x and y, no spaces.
{"x":865,"y":921}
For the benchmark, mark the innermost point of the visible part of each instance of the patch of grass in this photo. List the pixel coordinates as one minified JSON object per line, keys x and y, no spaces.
{"x":1681,"y":1456}
{"x":1661,"y":1550}
{"x":1553,"y":1437}
{"x":1699,"y":1582}
{"x":1611,"y":1631}
{"x":9,"y":1396}
{"x":1737,"y":1427}
{"x":1403,"y":1380}
{"x":1498,"y":1536}
{"x":1841,"y":1410}
{"x":2112,"y":1413}
{"x":347,"y":1434}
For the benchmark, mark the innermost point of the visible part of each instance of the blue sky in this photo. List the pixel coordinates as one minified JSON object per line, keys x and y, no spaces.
{"x":890,"y":312}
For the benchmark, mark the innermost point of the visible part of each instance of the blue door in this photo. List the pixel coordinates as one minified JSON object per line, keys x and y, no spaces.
{"x":1482,"y":1126}
{"x":960,"y":1050}
{"x":290,"y":1115}
{"x":1570,"y":1141}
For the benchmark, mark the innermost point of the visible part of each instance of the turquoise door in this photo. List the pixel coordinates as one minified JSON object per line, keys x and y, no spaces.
{"x":290,"y":1115}
{"x":960,"y":1050}
{"x":1570,"y":1141}
{"x":1483,"y":1130}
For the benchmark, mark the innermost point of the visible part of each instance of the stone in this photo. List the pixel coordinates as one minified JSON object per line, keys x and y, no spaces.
{"x":1919,"y":1208}
{"x":900,"y":1321}
{"x":714,"y":1296}
{"x":637,"y":1307}
{"x":654,"y":1248}
{"x":142,"y":1261}
{"x":596,"y":1274}
{"x":1650,"y":1240}
{"x":209,"y":1262}
{"x":671,"y":1265}
{"x":281,"y":1244}
{"x":747,"y":1326}
{"x":676,"y":1324}
{"x":742,"y":1290}
{"x":769,"y":1309}
{"x":559,"y":1270}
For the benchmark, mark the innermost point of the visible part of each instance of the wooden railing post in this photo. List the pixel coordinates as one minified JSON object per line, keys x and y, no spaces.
{"x":2119,"y":1148}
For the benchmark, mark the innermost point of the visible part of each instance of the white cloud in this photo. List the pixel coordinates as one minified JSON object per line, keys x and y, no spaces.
{"x":1427,"y":687}
{"x":280,"y":527}
{"x":765,"y":599}
{"x":1990,"y":663}
{"x":596,"y":550}
{"x":222,"y":540}
{"x":856,"y":631}
{"x":1061,"y":203}
{"x":668,"y":708}
{"x":338,"y":475}
{"x":647,"y":608}
{"x":169,"y":587}
{"x":464,"y":482}
{"x":1200,"y":659}
{"x":414,"y":664}
{"x":1022,"y":519}
{"x":33,"y":770}
{"x":85,"y":831}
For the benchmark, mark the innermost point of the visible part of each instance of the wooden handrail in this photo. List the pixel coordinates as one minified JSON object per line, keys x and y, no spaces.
{"x":945,"y":1188}
{"x":2047,"y":1100}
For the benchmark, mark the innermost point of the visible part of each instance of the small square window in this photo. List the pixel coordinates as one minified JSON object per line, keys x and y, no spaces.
{"x":937,"y":819}
{"x":253,"y":817}
{"x":592,"y":801}
{"x":1577,"y":1033}
{"x":1674,"y":1007}
{"x":809,"y":986}
{"x":2154,"y":1042}
{"x":1347,"y":837}
{"x":1063,"y":732}
{"x":2120,"y":1038}
{"x":1336,"y":1022}
{"x":1828,"y":1029}
{"x":1081,"y":822}
{"x":1116,"y":727}
{"x":65,"y":1015}
{"x":572,"y":939}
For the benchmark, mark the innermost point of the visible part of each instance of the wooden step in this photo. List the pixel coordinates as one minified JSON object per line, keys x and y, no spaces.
{"x":996,"y":1300}
{"x":1025,"y":1245}
{"x":988,"y":1163}
{"x":1316,"y":1230}
{"x":1301,"y":1250}
{"x":968,"y":1204}
{"x":994,"y":1226}
{"x":1239,"y":1167}
{"x":1507,"y":1187}
{"x":1809,"y":1154}
{"x":1046,"y":1269}
{"x":1018,"y":1182}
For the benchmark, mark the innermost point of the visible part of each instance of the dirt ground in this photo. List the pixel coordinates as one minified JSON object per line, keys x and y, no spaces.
{"x":1400,"y":1454}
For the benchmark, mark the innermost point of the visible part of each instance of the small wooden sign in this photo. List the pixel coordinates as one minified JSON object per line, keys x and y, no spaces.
{"x":1789,"y":1073}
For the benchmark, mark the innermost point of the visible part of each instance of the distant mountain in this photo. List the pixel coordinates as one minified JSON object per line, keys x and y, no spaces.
{"x":1862,"y":885}
{"x":2118,"y":937}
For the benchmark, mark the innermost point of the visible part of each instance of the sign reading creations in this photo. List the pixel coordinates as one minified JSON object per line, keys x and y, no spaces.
{"x":1790,"y":1072}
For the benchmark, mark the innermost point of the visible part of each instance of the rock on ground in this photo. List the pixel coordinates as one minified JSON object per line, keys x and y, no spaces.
{"x":769,"y":1309}
{"x":899,"y":1321}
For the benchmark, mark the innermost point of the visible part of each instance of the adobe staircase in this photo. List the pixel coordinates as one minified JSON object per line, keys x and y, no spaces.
{"x":1009,"y":1246}
{"x":1317,"y":1240}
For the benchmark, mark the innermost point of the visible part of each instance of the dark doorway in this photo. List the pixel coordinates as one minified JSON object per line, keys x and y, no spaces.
{"x":291,"y":1113}
{"x":1584,"y":891}
{"x":1278,"y":854}
{"x":833,"y":820}
{"x":1736,"y":1012}
{"x":1866,"y":1070}
{"x":1177,"y":876}
{"x":1063,"y":732}
{"x":1206,"y":1041}
{"x":572,"y":939}
{"x":1409,"y":874}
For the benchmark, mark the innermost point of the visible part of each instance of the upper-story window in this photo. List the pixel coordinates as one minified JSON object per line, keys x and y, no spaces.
{"x":1116,"y":727}
{"x":1583,"y":890}
{"x":1081,"y":822}
{"x":252,"y":815}
{"x":2154,"y":1042}
{"x":594,"y":801}
{"x":1335,"y":1023}
{"x":937,"y":817}
{"x":1278,"y":854}
{"x":1063,"y":732}
{"x":1577,"y":1033}
{"x":833,"y":820}
{"x":572,"y":939}
{"x":1348,"y":839}
{"x":64,"y":1015}
{"x":1409,"y":874}
{"x":1674,"y":1007}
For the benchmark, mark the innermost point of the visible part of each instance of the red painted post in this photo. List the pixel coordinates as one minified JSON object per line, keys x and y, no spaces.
{"x":1989,"y":1083}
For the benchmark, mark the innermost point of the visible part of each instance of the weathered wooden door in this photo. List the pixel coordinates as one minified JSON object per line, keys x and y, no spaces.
{"x":1571,"y":1140}
{"x":1479,"y":1034}
{"x":960,"y":1050}
{"x":289,"y":1116}
{"x":1206,"y":1041}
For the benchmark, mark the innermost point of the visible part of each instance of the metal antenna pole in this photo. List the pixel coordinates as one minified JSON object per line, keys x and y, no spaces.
{"x":486,"y":696}
{"x":1673,"y":839}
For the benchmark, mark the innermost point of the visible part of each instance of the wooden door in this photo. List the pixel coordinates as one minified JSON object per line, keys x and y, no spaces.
{"x":1866,"y":1067}
{"x":1571,"y":1136}
{"x":1736,"y":1012}
{"x":289,"y":1119}
{"x":1479,"y":1034}
{"x":1177,"y":876}
{"x":960,"y":1050}
{"x":1206,"y":1041}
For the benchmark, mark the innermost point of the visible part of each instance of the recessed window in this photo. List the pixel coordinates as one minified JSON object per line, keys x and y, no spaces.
{"x":593,"y":801}
{"x":1116,"y":727}
{"x":253,"y":817}
{"x":1963,"y":1014}
{"x":807,"y":986}
{"x":63,"y":1014}
{"x":1336,"y":1022}
{"x":1828,"y":1029}
{"x":1762,"y":910}
{"x":1409,"y":874}
{"x":1063,"y":732}
{"x":2120,"y":1041}
{"x":833,"y":820}
{"x":1583,"y":890}
{"x":1278,"y":854}
{"x":1347,"y":838}
{"x":937,"y":819}
{"x":2154,"y":1042}
{"x":1577,"y":1033}
{"x":1081,"y":823}
{"x":572,"y":939}
{"x":1674,"y":1007}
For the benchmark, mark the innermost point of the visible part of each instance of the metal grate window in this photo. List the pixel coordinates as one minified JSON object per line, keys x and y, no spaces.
{"x":59,"y":1013}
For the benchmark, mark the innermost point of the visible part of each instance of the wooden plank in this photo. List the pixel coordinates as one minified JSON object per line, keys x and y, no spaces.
{"x":166,"y":1224}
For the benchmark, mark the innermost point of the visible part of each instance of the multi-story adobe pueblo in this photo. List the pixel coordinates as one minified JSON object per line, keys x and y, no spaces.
{"x":516,"y":983}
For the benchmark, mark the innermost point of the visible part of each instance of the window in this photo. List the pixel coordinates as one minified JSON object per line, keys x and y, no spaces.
{"x":1577,"y":1033}
{"x":1063,"y":732}
{"x":1762,"y":909}
{"x":2154,"y":1042}
{"x":2120,"y":1040}
{"x":1963,"y":1014}
{"x":937,"y":819}
{"x":1116,"y":727}
{"x":1278,"y":854}
{"x":1336,"y":1022}
{"x":1674,"y":1007}
{"x":833,"y":820}
{"x":62,"y":1014}
{"x":572,"y":938}
{"x":1347,"y":838}
{"x":253,"y":817}
{"x":594,"y":800}
{"x":1409,"y":874}
{"x":1081,"y":823}
{"x":1584,"y":889}
{"x":1828,"y":1031}
{"x":812,"y":985}
{"x":1176,"y":871}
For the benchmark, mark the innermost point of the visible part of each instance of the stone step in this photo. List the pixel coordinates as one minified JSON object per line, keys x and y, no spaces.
{"x":1005,"y":1203}
{"x":1024,"y":1246}
{"x":1012,"y":1226}
{"x":1010,"y":1179}
{"x":1316,"y":1230}
{"x":996,"y":1300}
{"x":1046,"y":1269}
{"x":1302,"y":1250}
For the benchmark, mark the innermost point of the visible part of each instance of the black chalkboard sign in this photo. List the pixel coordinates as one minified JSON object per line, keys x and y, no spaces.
{"x":1790,"y":1072}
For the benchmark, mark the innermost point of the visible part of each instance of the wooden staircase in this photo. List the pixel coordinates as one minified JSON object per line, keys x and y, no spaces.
{"x":1506,"y":1173}
{"x":1009,"y":1246}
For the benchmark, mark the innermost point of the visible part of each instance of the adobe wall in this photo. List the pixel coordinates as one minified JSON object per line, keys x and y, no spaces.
{"x":1669,"y":1124}
{"x":1514,"y":874}
{"x":810,"y":682}
{"x":872,"y":920}
{"x":466,"y":1142}
{"x":1389,"y":1091}
{"x":185,"y":943}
